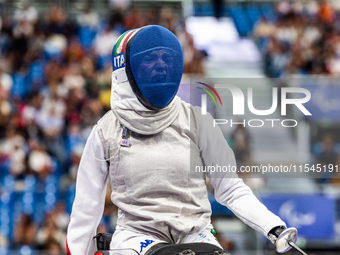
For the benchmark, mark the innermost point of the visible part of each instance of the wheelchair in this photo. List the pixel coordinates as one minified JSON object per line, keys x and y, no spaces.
{"x":103,"y":248}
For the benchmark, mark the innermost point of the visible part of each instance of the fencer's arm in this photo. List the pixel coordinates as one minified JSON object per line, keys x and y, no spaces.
{"x":230,"y":190}
{"x":89,"y":201}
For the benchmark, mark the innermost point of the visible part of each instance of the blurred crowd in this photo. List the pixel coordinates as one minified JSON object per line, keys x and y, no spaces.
{"x":55,"y":84}
{"x":303,"y":40}
{"x":239,"y":141}
{"x":55,"y":81}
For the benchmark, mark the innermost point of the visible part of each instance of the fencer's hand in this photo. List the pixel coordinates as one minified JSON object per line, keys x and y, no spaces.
{"x":280,"y":236}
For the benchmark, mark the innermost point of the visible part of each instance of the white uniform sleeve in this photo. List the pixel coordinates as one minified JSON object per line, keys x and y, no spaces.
{"x":89,"y":201}
{"x":230,"y":190}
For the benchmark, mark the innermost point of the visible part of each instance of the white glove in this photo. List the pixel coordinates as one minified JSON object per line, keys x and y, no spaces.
{"x":280,"y":236}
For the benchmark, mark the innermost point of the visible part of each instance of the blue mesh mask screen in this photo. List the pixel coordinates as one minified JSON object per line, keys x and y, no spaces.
{"x":156,"y":62}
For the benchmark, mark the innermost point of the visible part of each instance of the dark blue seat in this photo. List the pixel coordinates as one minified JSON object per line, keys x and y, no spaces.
{"x":36,"y":74}
{"x":21,"y":85}
{"x":86,"y":36}
{"x":254,"y":14}
{"x":241,"y":19}
{"x":51,"y":192}
{"x":269,"y":12}
{"x":71,"y":193}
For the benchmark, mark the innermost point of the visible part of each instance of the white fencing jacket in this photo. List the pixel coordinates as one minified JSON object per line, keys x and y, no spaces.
{"x":153,"y":180}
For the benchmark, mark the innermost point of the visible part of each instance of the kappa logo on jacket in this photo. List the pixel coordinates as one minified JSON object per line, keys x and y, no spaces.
{"x":145,"y":244}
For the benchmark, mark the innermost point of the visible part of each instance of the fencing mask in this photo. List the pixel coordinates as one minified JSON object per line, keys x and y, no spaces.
{"x":153,"y":60}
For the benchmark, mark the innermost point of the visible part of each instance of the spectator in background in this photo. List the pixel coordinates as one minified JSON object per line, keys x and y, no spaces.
{"x":193,"y":58}
{"x":75,"y":160}
{"x":25,"y":231}
{"x":23,"y":29}
{"x":74,"y":53}
{"x":264,"y":29}
{"x":50,"y":233}
{"x":74,"y":103}
{"x":60,"y":216}
{"x":168,"y":19}
{"x":18,"y":158}
{"x":286,"y":32}
{"x":305,"y":40}
{"x":12,"y":142}
{"x":103,"y":44}
{"x":39,"y":162}
{"x":253,"y":180}
{"x":25,"y":12}
{"x":88,"y":71}
{"x":134,"y":19}
{"x":88,"y":17}
{"x":29,"y":114}
{"x":73,"y":78}
{"x":336,"y":177}
{"x":4,"y":243}
{"x":120,"y":4}
{"x":298,"y":7}
{"x":55,"y":45}
{"x":326,"y":12}
{"x":151,"y":16}
{"x":6,"y":107}
{"x":104,"y":81}
{"x":88,"y":22}
{"x":240,"y":143}
{"x":51,"y":114}
{"x":55,"y":20}
{"x":26,"y":17}
{"x":116,"y":20}
{"x":53,"y":247}
{"x":6,"y":81}
{"x":5,"y":110}
{"x":312,"y":8}
{"x":218,"y":8}
{"x":276,"y":58}
{"x":328,"y":156}
{"x":283,"y":8}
